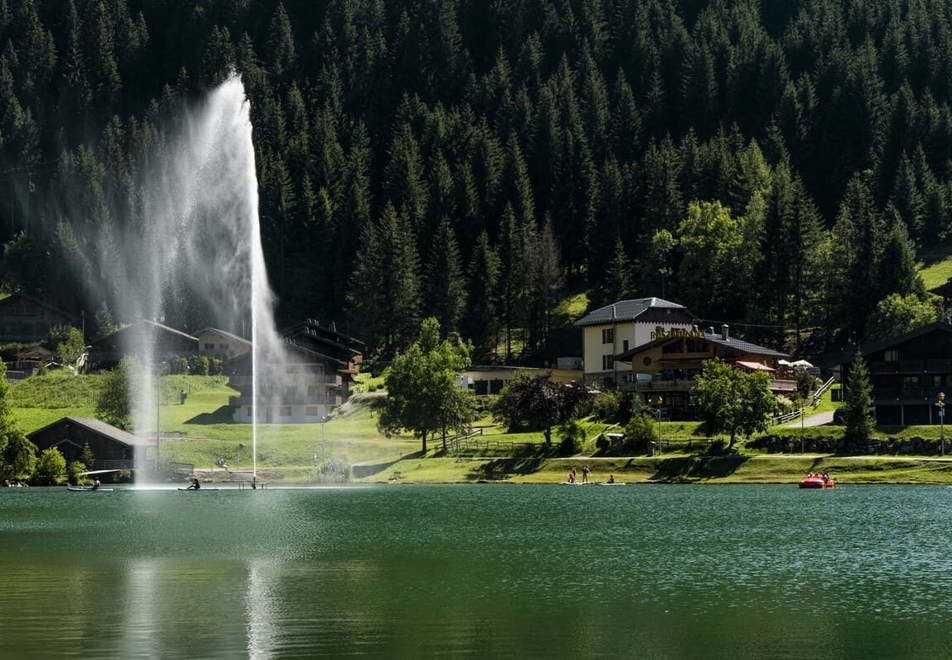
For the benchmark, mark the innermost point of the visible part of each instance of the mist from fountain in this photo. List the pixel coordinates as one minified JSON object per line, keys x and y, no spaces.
{"x":192,"y":254}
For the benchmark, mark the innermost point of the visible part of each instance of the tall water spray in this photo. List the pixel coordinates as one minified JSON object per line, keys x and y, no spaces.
{"x":191,"y":254}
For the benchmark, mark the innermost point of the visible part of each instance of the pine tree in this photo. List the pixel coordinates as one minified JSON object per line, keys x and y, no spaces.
{"x":617,"y":284}
{"x":446,"y":289}
{"x":859,"y":404}
{"x":281,"y":51}
{"x":511,"y":285}
{"x":545,"y":280}
{"x":480,"y":319}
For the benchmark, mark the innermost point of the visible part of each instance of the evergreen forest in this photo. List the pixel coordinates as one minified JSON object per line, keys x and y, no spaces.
{"x":779,"y":165}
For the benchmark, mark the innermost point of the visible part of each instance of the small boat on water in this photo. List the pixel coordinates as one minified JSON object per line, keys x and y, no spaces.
{"x":88,"y":489}
{"x":817,"y":481}
{"x":200,"y":490}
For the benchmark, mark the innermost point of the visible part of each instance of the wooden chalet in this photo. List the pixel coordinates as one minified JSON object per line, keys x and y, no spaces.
{"x":907,"y":374}
{"x":26,"y":319}
{"x":665,"y":368}
{"x":112,"y":447}
{"x":106,"y":352}
{"x":304,"y":383}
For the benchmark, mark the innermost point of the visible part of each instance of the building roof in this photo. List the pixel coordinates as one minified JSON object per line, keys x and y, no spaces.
{"x":944,"y":290}
{"x":716,"y":339}
{"x":36,"y":301}
{"x":155,"y":324}
{"x":103,"y":429}
{"x":875,"y":347}
{"x":223,"y":333}
{"x":625,"y":310}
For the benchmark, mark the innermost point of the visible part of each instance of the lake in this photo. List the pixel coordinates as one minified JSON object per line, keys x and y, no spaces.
{"x":494,"y":570}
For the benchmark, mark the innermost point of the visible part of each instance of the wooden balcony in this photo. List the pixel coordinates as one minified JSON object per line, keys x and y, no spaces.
{"x":627,"y":383}
{"x":911,"y":367}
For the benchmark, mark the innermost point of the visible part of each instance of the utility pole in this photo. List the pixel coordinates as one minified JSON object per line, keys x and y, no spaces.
{"x":940,"y":404}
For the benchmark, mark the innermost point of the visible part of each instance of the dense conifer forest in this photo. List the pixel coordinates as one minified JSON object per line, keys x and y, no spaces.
{"x":774,"y":163}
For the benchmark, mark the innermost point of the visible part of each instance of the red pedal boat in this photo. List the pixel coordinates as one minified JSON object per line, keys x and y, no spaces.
{"x":814,"y":481}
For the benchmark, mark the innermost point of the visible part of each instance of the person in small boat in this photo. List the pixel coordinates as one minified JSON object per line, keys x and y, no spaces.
{"x":194,"y":485}
{"x":96,"y":485}
{"x":611,"y":478}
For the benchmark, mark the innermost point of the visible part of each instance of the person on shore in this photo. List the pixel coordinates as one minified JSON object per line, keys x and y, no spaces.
{"x":585,"y":472}
{"x":570,"y":479}
{"x":194,"y":485}
{"x":574,"y":475}
{"x":611,"y":478}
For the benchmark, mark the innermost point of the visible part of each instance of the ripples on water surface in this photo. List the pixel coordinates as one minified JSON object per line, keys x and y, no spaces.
{"x":712,"y":571}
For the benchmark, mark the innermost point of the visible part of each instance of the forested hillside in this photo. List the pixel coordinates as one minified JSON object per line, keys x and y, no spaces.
{"x":773,"y":163}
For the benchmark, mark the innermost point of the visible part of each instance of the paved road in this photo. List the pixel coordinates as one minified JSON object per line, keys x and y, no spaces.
{"x":813,"y":420}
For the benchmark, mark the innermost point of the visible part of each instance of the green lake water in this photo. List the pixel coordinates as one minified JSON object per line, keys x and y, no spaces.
{"x":501,"y":571}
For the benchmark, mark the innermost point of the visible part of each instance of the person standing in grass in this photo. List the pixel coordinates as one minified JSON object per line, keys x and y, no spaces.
{"x":585,"y":471}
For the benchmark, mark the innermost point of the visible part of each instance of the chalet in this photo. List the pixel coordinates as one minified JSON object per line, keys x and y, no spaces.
{"x":27,"y":319}
{"x":664,"y":368}
{"x":106,"y":352}
{"x":219,"y":343}
{"x":622,"y":326}
{"x":908,"y":373}
{"x":304,"y":383}
{"x":112,"y":447}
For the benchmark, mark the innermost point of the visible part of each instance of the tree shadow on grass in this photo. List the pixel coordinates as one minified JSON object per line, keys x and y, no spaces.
{"x":361,"y":471}
{"x":698,"y":468}
{"x":502,"y":468}
{"x":220,"y":416}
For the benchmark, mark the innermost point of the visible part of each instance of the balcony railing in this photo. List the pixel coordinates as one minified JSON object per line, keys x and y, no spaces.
{"x":911,"y":367}
{"x":908,"y":393}
{"x":628,"y":383}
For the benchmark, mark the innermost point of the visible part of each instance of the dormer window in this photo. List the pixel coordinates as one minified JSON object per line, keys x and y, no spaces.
{"x":892,"y":356}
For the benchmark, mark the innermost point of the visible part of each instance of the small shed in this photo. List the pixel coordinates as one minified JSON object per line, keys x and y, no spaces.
{"x":112,"y":447}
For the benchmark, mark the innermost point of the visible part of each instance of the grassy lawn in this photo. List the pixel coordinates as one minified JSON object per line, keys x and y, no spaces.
{"x":199,"y":433}
{"x":936,"y":267}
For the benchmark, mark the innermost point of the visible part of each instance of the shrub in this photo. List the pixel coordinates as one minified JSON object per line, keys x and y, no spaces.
{"x":198,"y":365}
{"x":611,"y":407}
{"x":215,"y":366}
{"x":178,"y":365}
{"x":75,"y":474}
{"x":641,"y":432}
{"x":51,"y":468}
{"x":88,"y":459}
{"x":336,"y":470}
{"x":572,"y":435}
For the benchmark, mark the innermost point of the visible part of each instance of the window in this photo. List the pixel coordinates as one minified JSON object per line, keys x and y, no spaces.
{"x":209,"y":347}
{"x":892,"y":356}
{"x":608,"y":336}
{"x":248,"y":410}
{"x":313,"y":391}
{"x":608,"y":362}
{"x":312,"y":411}
{"x":625,"y":345}
{"x":284,"y":411}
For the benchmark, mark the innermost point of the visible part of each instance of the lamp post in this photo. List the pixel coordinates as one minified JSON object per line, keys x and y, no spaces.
{"x":658,"y":400}
{"x":323,"y":421}
{"x":940,"y":404}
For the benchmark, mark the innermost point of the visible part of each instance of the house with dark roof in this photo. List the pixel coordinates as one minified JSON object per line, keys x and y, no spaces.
{"x":112,"y":448}
{"x":26,"y":319}
{"x":164,"y":342}
{"x":662,"y":371}
{"x":622,"y":326}
{"x":214,"y":342}
{"x":304,"y":382}
{"x":908,"y":373}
